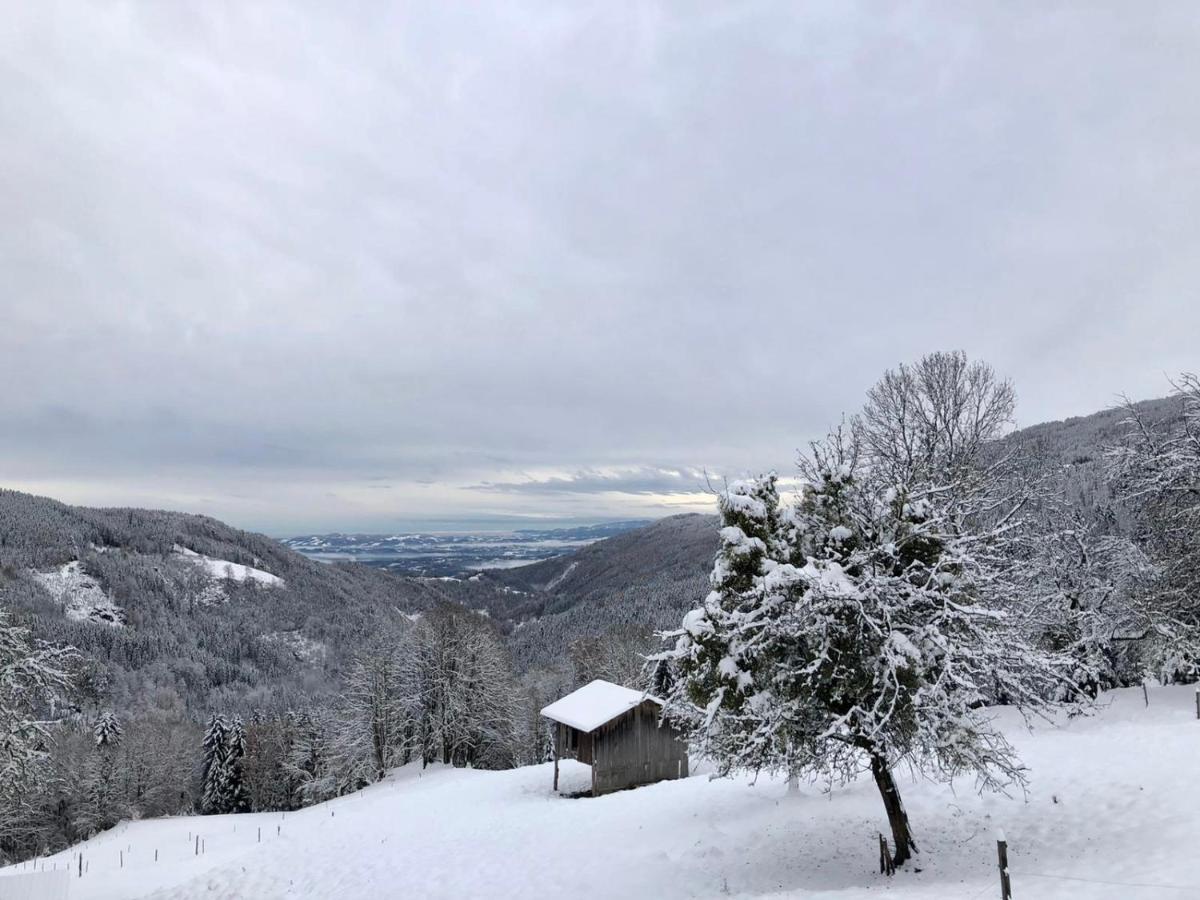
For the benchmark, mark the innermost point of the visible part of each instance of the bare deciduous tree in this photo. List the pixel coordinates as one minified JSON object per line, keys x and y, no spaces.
{"x":931,"y":420}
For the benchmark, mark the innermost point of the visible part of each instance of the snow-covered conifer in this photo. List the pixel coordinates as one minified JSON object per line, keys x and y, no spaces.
{"x":213,"y":765}
{"x":107,"y":731}
{"x":236,"y":797}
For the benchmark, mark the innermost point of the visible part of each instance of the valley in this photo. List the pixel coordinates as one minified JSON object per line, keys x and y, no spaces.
{"x":450,"y":554}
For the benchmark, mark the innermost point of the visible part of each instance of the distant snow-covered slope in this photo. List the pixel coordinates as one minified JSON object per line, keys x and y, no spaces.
{"x":80,"y":595}
{"x":223,"y":568}
{"x":1110,"y":816}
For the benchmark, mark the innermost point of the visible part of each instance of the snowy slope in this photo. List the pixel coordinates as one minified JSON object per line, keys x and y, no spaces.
{"x":223,"y":568}
{"x":82,"y":598}
{"x":1113,"y":799}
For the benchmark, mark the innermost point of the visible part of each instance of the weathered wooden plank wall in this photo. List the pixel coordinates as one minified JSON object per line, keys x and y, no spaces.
{"x":634,"y":749}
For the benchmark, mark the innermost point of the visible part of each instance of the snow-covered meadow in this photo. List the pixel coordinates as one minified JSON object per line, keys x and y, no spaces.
{"x":1111,"y":813}
{"x":223,"y":568}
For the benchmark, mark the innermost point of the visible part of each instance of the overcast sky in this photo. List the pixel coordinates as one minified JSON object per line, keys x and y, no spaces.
{"x":373,"y":266}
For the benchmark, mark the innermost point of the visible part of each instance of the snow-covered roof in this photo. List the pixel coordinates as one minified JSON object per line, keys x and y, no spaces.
{"x":594,"y":704}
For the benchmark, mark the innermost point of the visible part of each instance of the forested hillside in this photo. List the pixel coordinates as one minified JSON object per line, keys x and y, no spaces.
{"x":642,"y":579}
{"x":186,"y":631}
{"x":1075,"y":448}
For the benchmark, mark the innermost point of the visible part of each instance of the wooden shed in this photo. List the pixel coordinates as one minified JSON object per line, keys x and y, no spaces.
{"x":617,"y":731}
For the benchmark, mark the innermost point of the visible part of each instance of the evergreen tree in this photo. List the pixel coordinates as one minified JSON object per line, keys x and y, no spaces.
{"x":107,"y":732}
{"x":213,"y":766}
{"x":236,"y":796}
{"x":223,"y":787}
{"x":660,"y":680}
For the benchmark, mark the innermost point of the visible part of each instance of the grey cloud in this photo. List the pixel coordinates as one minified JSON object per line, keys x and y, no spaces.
{"x":642,"y":480}
{"x":300,"y":244}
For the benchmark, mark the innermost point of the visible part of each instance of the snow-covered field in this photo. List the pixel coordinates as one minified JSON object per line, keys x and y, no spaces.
{"x":223,"y":568}
{"x":1114,"y":798}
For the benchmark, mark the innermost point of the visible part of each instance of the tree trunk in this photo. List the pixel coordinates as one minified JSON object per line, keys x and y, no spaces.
{"x":897,"y":817}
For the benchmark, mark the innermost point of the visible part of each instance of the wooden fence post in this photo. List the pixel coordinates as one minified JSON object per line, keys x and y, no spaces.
{"x":1002,"y":854}
{"x":1198,"y":703}
{"x":886,"y":866}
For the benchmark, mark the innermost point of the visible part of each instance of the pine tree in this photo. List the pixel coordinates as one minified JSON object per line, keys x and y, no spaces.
{"x":223,"y":784}
{"x":660,"y":678}
{"x":107,"y":731}
{"x":213,"y":778}
{"x":237,"y":798}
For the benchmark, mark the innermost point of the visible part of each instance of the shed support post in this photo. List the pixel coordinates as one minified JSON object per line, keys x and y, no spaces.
{"x":556,"y":765}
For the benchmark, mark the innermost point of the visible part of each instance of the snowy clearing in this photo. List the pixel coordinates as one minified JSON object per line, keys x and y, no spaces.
{"x":223,"y":568}
{"x":1112,"y":799}
{"x":80,"y":595}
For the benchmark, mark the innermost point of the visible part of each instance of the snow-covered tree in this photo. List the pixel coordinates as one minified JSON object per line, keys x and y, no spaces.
{"x":103,"y":804}
{"x":617,"y":655}
{"x":212,"y":773}
{"x":374,"y":730}
{"x":463,"y":699}
{"x":107,"y":732}
{"x":660,"y":676}
{"x":1095,"y":599}
{"x":33,"y":676}
{"x":237,"y":797}
{"x":223,"y":788}
{"x":867,"y":625}
{"x":1156,"y":471}
{"x":931,"y":421}
{"x":309,"y":764}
